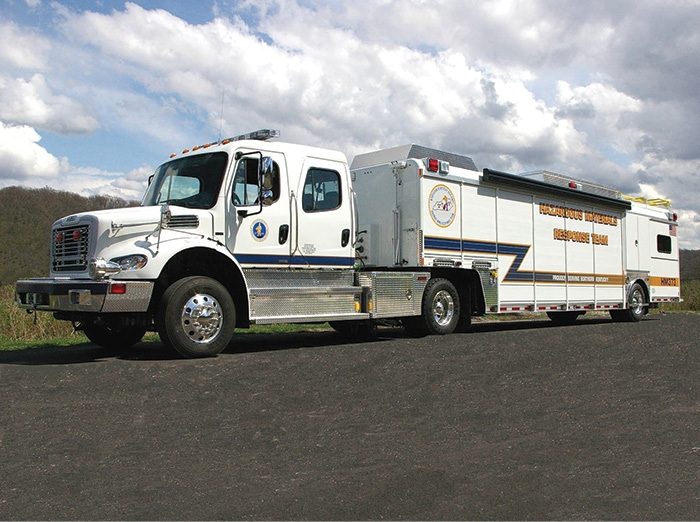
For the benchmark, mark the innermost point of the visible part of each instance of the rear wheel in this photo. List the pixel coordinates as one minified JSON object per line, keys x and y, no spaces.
{"x":440,"y":310}
{"x":113,"y":337}
{"x":197,"y":317}
{"x":636,"y":308}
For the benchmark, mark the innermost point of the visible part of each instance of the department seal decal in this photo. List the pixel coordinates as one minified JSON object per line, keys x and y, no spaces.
{"x":443,"y":208}
{"x":259,"y":230}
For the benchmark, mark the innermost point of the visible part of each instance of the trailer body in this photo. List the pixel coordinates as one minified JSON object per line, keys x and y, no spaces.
{"x":539,"y":242}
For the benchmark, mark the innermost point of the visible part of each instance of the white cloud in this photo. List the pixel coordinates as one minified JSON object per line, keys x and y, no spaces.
{"x":33,"y":103}
{"x":22,"y":158}
{"x":22,"y":47}
{"x":90,"y":182}
{"x":23,"y":161}
{"x":344,"y":91}
{"x":601,"y":90}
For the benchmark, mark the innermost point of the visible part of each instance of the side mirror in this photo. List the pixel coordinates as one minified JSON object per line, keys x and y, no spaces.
{"x":267,"y":168}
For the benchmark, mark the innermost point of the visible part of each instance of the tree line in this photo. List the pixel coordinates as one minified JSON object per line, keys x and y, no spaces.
{"x":26,"y":216}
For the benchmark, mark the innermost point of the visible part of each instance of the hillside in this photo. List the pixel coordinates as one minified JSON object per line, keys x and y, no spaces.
{"x":690,"y":265}
{"x":26,"y":216}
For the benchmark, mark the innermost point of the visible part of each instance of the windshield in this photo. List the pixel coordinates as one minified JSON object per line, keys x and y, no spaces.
{"x":191,"y":182}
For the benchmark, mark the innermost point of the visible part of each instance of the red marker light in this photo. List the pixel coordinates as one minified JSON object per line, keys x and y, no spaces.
{"x":59,"y":237}
{"x":76,"y":235}
{"x":433,"y":165}
{"x":117,"y":288}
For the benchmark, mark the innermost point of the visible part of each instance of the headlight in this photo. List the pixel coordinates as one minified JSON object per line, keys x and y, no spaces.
{"x":132,"y":262}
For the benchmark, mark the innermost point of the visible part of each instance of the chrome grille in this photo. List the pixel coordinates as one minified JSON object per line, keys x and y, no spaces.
{"x":69,"y":248}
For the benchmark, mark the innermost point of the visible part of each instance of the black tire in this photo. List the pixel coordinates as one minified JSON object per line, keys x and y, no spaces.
{"x":464,"y":324}
{"x":440,"y":310}
{"x":196,"y":317}
{"x":113,"y":337}
{"x":355,"y":329}
{"x":635,"y":310}
{"x":564,"y":318}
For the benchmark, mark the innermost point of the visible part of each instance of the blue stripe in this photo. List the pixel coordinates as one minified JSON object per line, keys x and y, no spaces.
{"x":487,"y":247}
{"x":483,"y":247}
{"x":441,"y":243}
{"x":261,"y":259}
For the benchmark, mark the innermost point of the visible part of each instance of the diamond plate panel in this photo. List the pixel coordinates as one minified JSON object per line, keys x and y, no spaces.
{"x":271,"y":278}
{"x":395,"y":294}
{"x":136,"y":298}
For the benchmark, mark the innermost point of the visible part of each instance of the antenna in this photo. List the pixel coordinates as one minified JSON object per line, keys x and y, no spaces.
{"x":221,"y":119}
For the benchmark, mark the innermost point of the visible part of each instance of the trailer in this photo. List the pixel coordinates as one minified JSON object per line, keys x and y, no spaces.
{"x":539,"y":242}
{"x":251,"y":230}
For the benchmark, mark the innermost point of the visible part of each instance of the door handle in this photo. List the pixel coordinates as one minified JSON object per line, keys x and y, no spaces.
{"x":283,"y":234}
{"x":345,"y":237}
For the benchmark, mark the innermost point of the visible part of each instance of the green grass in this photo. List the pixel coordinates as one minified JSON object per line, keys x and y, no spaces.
{"x":17,"y":325}
{"x":690,"y":292}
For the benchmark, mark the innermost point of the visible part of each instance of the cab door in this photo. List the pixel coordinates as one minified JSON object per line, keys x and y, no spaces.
{"x":258,"y":230}
{"x":323,"y":229}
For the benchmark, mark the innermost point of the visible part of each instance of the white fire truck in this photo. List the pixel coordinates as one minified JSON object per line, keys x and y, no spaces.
{"x":251,"y":230}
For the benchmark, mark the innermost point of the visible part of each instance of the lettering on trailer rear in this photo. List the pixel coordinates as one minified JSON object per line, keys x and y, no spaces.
{"x":665,"y":281}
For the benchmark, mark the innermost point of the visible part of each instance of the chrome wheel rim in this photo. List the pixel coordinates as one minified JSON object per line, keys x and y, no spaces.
{"x":637,"y":302}
{"x":201,"y":318}
{"x":443,"y":308}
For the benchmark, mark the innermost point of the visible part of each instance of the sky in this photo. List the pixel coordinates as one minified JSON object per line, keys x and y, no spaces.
{"x":95,"y":95}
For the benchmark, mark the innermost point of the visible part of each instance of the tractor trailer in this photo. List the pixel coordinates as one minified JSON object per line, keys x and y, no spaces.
{"x":251,"y":230}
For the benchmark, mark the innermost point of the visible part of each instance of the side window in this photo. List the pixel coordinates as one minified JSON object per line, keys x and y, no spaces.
{"x":321,"y":191}
{"x":663,"y":244}
{"x":245,"y":184}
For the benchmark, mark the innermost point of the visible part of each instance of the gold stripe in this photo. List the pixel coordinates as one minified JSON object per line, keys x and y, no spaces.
{"x":664,"y":281}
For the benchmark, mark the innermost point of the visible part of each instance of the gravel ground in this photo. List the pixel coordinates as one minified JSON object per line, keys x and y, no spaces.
{"x":518,"y":420}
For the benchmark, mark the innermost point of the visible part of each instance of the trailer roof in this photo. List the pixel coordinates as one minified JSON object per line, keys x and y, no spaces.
{"x":411,"y":151}
{"x":513,"y":180}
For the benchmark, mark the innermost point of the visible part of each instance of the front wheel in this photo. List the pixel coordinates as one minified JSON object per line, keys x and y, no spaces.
{"x":196,"y":317}
{"x":113,"y":337}
{"x":440,"y":310}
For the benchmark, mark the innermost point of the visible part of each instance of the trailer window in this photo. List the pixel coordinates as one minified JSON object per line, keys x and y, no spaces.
{"x":663,"y":244}
{"x":321,"y":191}
{"x":245,"y":184}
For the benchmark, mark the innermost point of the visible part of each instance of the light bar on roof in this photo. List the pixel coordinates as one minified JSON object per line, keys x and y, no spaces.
{"x":262,"y":135}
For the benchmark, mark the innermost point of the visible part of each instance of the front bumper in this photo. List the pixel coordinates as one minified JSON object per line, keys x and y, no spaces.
{"x":76,"y":295}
